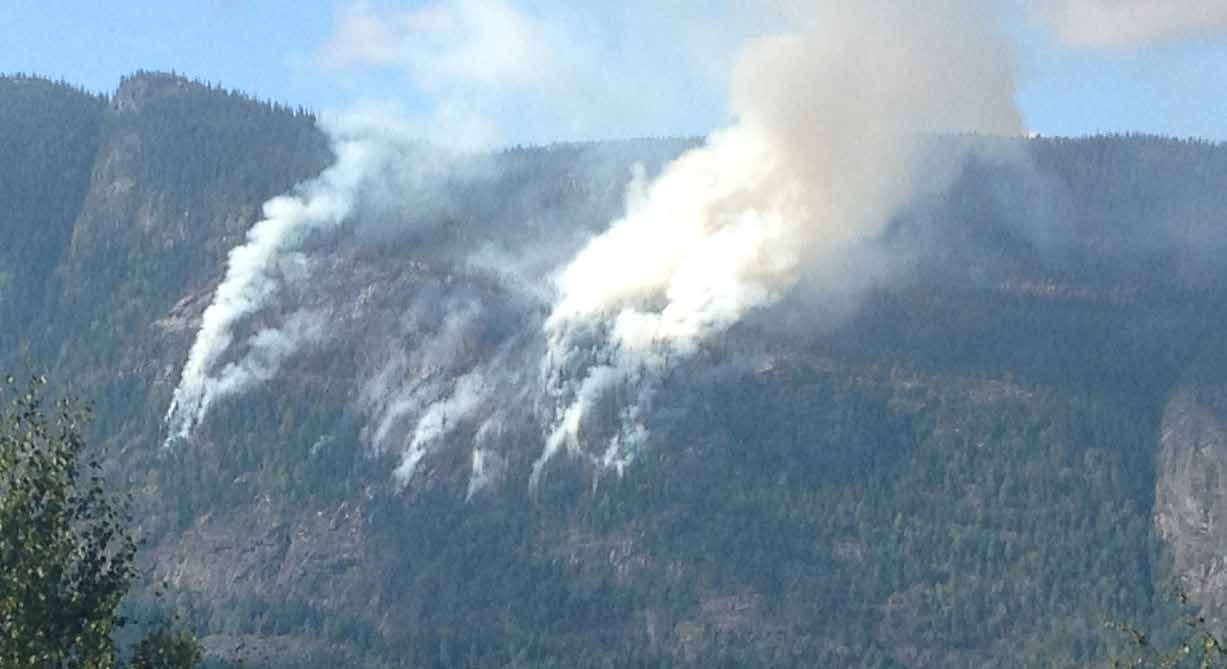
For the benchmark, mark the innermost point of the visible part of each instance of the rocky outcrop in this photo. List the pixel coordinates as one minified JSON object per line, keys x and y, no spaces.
{"x":261,"y":552}
{"x":1191,"y":491}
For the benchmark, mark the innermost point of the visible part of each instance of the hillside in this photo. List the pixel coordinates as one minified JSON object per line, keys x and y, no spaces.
{"x":974,"y":464}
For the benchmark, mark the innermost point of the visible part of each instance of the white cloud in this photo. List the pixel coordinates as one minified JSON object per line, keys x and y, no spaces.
{"x":484,"y":42}
{"x":1132,"y":23}
{"x":552,"y":70}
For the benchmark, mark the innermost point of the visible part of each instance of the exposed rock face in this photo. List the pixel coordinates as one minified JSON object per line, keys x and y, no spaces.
{"x":1191,"y":491}
{"x":266,"y":555}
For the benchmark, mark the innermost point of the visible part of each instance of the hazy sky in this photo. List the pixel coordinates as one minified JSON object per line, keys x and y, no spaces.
{"x":534,"y":70}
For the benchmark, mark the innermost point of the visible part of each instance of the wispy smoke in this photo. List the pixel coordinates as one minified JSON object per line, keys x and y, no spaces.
{"x":830,"y":119}
{"x":487,"y":469}
{"x":504,"y":72}
{"x":547,"y":333}
{"x":458,"y":368}
{"x":456,"y":51}
{"x":418,"y":376}
{"x":482,"y":42}
{"x":266,"y":351}
{"x":1133,"y":23}
{"x":258,"y":270}
{"x":470,"y":393}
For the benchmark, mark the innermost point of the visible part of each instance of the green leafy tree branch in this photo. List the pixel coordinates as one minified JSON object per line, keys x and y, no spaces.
{"x":67,"y":555}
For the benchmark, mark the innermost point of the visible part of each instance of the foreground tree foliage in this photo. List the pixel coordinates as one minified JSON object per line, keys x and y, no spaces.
{"x":66,"y":553}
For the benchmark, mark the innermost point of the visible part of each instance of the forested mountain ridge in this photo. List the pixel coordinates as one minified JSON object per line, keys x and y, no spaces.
{"x":990,"y":456}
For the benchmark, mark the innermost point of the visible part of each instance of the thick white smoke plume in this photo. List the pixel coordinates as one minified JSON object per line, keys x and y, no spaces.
{"x":825,"y":150}
{"x":1133,"y":23}
{"x":258,"y":269}
{"x":831,"y":118}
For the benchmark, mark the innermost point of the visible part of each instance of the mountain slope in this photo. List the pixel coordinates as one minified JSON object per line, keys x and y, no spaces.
{"x":975,"y":465}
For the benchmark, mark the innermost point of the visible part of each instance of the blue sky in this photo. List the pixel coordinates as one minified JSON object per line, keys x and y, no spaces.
{"x":296,"y":52}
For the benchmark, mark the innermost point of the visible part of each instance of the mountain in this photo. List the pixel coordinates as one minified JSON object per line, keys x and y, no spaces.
{"x":1011,"y":437}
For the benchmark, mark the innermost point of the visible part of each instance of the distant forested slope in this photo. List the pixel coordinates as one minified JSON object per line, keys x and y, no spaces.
{"x":962,"y":473}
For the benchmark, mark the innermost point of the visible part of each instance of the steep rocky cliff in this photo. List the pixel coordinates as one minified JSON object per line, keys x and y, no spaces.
{"x":1190,"y":491}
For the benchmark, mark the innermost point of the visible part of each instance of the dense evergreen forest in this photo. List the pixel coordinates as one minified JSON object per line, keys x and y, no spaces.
{"x":962,"y":473}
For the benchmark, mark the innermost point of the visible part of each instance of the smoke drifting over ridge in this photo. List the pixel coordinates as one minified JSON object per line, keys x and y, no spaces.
{"x":832,"y":115}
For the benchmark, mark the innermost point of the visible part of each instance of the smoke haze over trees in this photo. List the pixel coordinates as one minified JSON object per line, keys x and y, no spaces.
{"x":866,"y":377}
{"x":954,"y":466}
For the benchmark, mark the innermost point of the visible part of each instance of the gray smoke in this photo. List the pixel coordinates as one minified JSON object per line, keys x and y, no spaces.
{"x":368,"y":150}
{"x":565,"y":328}
{"x":252,"y":282}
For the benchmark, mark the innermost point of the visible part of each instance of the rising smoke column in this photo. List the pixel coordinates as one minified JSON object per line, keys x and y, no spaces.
{"x":830,"y":120}
{"x":255,"y":273}
{"x":829,"y":116}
